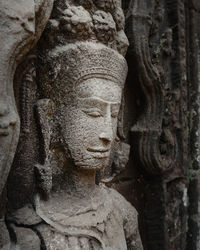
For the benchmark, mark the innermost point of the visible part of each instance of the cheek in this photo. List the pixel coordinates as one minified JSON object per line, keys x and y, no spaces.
{"x":87,"y":129}
{"x":114,"y":125}
{"x":78,"y":127}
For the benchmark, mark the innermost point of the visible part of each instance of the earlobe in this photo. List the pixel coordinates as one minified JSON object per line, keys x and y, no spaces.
{"x":117,"y":139}
{"x":43,"y":112}
{"x":43,"y":170}
{"x":120,"y":123}
{"x":43,"y":174}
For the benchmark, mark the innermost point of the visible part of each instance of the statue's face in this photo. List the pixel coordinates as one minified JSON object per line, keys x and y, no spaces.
{"x":89,"y":122}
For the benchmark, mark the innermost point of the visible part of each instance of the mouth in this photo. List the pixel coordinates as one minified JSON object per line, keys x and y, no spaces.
{"x":4,"y":132}
{"x":100,"y":150}
{"x":100,"y":153}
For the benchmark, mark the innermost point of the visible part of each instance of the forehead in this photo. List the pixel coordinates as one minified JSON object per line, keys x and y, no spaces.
{"x":101,"y":88}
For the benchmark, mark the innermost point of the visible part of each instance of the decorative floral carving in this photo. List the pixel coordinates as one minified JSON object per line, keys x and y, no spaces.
{"x":104,"y":26}
{"x":77,"y":21}
{"x":107,"y":5}
{"x":122,"y":42}
{"x":86,"y":3}
{"x":119,"y":18}
{"x":88,"y":22}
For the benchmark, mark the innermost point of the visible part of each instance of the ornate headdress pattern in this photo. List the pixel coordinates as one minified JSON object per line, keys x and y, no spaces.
{"x":86,"y":20}
{"x":85,"y":38}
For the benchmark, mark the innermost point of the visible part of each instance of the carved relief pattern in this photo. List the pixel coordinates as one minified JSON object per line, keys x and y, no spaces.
{"x":18,"y":34}
{"x":73,"y":104}
{"x":63,"y":123}
{"x":160,"y":133}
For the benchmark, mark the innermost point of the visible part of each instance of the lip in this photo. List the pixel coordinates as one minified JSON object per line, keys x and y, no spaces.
{"x":98,"y":150}
{"x":4,"y":131}
{"x":99,"y":153}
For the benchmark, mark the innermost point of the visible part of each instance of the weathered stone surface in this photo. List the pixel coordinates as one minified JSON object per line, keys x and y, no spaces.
{"x":74,"y":82}
{"x":18,"y":34}
{"x":193,"y":31}
{"x":26,"y":238}
{"x":162,"y":39}
{"x":69,"y":121}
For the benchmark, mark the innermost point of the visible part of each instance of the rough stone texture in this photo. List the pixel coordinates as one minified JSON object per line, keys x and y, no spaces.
{"x":163,"y":46}
{"x":193,"y":16}
{"x":19,"y":32}
{"x":150,"y":145}
{"x":68,"y":93}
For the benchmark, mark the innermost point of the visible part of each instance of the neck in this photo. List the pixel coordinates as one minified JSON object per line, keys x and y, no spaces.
{"x":78,"y":181}
{"x":82,"y":179}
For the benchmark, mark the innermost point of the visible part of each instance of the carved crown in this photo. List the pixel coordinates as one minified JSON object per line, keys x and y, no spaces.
{"x":89,"y":20}
{"x":72,"y":64}
{"x":86,"y":40}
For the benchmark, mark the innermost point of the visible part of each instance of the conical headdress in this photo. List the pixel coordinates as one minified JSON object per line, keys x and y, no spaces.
{"x":85,"y":40}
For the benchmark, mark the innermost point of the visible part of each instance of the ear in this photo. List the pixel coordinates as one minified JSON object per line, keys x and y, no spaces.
{"x":43,"y":112}
{"x":43,"y":169}
{"x":120,"y":124}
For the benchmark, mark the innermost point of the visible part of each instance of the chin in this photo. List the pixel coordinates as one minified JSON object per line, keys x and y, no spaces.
{"x":95,"y":164}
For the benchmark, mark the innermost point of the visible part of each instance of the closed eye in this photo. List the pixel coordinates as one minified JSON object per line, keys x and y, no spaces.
{"x":115,"y":110}
{"x":93,"y":112}
{"x":114,"y":114}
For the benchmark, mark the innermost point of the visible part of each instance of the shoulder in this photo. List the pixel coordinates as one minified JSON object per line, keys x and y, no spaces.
{"x":125,"y":208}
{"x":24,"y":216}
{"x":130,"y":219}
{"x":21,"y":227}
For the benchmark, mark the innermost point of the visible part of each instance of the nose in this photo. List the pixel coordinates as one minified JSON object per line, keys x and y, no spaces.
{"x":106,"y":137}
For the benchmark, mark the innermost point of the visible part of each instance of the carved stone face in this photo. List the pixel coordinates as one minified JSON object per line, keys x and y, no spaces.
{"x":9,"y":129}
{"x":89,"y":122}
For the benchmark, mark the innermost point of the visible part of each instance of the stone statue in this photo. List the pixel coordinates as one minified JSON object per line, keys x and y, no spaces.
{"x":80,"y":79}
{"x":21,"y":24}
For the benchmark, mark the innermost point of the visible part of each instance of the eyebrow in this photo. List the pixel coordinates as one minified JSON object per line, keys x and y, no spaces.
{"x":99,"y":100}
